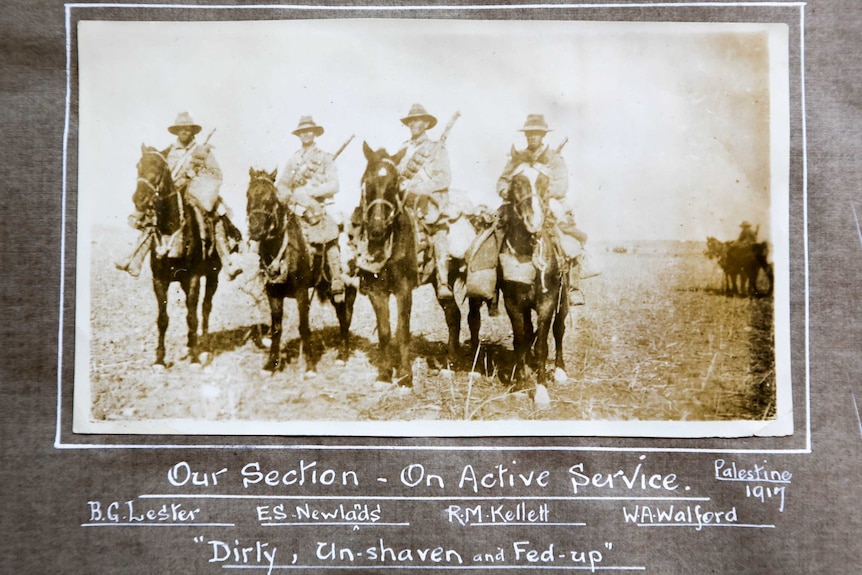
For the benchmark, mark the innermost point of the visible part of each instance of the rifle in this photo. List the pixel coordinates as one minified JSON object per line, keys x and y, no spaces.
{"x":341,"y":149}
{"x":562,"y":144}
{"x":181,"y":164}
{"x":448,"y":127}
{"x":419,"y":162}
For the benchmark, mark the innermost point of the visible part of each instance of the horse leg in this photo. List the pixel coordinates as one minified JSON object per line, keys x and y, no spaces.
{"x":303,"y":304}
{"x":276,"y":307}
{"x":560,"y":331}
{"x":160,"y":287}
{"x":520,"y":342}
{"x":380,"y":303}
{"x":404,"y":301}
{"x":344,"y":313}
{"x":191,"y":285}
{"x":530,"y":335}
{"x":453,"y":321}
{"x":210,"y":287}
{"x":545,"y":319}
{"x":474,"y":320}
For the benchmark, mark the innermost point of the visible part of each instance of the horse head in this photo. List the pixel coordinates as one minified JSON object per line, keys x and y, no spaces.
{"x":155,"y":183}
{"x":262,"y":205}
{"x":381,"y":196}
{"x":527,"y":191}
{"x":715,"y":248}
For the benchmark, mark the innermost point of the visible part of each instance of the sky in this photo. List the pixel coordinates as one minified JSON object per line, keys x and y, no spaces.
{"x":675,"y":131}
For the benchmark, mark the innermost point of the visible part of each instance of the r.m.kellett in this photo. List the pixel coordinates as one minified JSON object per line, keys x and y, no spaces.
{"x":499,"y":514}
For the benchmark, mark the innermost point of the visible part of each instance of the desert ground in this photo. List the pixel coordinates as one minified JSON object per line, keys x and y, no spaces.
{"x":656,"y":340}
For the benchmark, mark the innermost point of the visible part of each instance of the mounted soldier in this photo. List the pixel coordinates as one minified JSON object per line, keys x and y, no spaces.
{"x":308,"y":184}
{"x":550,"y":162}
{"x":197,"y":174}
{"x":425,"y":177}
{"x":747,"y":236}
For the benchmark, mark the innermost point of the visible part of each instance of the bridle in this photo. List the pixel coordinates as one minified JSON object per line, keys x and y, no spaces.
{"x":519,"y":203}
{"x":271,"y":222}
{"x":393,"y":210}
{"x":157,"y":188}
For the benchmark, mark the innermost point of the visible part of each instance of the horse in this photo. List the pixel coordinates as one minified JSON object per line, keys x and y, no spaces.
{"x":741,"y":264}
{"x":391,"y":264}
{"x":533,"y":274}
{"x":290,"y":269}
{"x":177,"y":252}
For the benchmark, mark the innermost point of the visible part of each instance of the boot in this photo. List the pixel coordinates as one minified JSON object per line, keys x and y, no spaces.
{"x":231,"y":269}
{"x":336,"y":284}
{"x":441,"y":252}
{"x":576,"y":296}
{"x":135,"y":261}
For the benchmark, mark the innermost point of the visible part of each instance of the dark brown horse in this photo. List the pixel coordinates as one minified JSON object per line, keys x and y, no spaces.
{"x":741,"y":263}
{"x":534,"y":277}
{"x":177,"y":252}
{"x":389,"y":232}
{"x":290,"y":269}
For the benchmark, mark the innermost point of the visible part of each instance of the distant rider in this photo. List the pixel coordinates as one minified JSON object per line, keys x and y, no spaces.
{"x":747,"y":236}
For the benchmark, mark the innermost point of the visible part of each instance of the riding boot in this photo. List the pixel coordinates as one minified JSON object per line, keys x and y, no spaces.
{"x":135,"y":261}
{"x":576,"y":296}
{"x":336,"y":284}
{"x":441,"y":252}
{"x":231,"y":269}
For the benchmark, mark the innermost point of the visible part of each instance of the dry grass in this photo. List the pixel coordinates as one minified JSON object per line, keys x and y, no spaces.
{"x":654,"y":342}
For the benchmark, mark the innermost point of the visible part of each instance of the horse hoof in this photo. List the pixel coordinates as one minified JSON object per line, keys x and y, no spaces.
{"x":265,"y":341}
{"x":447,"y":374}
{"x":205,"y":358}
{"x":541,"y":399}
{"x":195,"y":365}
{"x":310,"y":374}
{"x":560,"y":376}
{"x":158,"y":367}
{"x":340,"y":362}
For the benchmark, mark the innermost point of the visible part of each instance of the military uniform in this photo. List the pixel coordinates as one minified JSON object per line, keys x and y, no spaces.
{"x":307,"y":182}
{"x":425,"y":178}
{"x":195,"y":170}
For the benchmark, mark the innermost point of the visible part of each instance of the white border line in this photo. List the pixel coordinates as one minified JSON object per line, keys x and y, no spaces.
{"x":433,"y":7}
{"x":805,"y":227}
{"x":801,"y":5}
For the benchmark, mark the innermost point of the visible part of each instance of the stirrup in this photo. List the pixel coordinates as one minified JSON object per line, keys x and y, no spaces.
{"x":576,"y":298}
{"x":125,"y":266}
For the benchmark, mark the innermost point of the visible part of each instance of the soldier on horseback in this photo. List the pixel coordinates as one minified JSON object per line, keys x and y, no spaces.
{"x":747,"y":236}
{"x":550,"y":163}
{"x":425,"y":178}
{"x":194,"y":170}
{"x":308,"y":182}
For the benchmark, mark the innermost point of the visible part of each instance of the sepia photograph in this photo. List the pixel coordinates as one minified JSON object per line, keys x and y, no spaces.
{"x":442,"y":228}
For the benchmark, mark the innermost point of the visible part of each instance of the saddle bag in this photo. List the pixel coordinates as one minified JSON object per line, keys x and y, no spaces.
{"x":482,"y":265}
{"x":461,"y":236}
{"x":205,"y":189}
{"x":517,"y":270}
